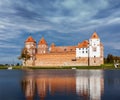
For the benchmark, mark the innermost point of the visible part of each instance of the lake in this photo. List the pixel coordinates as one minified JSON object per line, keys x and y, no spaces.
{"x":59,"y":84}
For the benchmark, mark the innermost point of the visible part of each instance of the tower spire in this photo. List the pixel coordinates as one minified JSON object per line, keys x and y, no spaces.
{"x":95,"y":35}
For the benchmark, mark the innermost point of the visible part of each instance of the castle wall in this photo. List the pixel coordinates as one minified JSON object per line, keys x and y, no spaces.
{"x":94,"y":61}
{"x":62,"y":49}
{"x":102,"y":54}
{"x":60,"y":59}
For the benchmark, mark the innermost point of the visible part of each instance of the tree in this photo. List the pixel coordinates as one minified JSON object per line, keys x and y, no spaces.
{"x":24,"y":55}
{"x":17,"y":64}
{"x":110,"y":58}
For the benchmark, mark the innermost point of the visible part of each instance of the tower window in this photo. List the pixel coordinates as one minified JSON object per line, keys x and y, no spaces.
{"x":94,"y":56}
{"x":86,"y":51}
{"x":94,"y":49}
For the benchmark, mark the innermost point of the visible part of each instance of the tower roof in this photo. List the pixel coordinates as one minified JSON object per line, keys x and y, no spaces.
{"x":42,"y":41}
{"x":94,"y":36}
{"x":30,"y":39}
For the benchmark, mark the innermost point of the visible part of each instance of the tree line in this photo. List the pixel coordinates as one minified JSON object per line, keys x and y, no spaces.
{"x":112,"y":59}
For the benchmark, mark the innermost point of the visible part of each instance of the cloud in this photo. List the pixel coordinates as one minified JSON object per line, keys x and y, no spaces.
{"x":113,"y":45}
{"x":64,"y":19}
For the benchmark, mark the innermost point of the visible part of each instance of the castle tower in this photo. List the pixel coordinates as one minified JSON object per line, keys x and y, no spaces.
{"x":52,"y":48}
{"x":95,"y":49}
{"x":42,"y":47}
{"x":30,"y":45}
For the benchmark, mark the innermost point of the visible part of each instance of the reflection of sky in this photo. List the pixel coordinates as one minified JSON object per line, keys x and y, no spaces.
{"x":85,"y":83}
{"x":65,"y":22}
{"x":112,"y":85}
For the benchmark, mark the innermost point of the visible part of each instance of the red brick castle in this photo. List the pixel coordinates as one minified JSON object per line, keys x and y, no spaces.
{"x":87,"y":53}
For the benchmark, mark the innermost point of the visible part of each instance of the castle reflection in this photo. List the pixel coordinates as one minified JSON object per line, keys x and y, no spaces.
{"x":87,"y":84}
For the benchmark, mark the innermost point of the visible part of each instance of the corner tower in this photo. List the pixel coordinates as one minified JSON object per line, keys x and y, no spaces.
{"x":42,"y":46}
{"x":95,"y":52}
{"x":30,"y":45}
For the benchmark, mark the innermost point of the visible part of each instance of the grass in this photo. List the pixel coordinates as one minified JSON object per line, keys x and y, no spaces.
{"x":6,"y":67}
{"x":104,"y":66}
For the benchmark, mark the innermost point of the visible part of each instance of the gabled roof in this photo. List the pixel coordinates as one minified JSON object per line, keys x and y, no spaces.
{"x":94,"y":36}
{"x":30,"y":39}
{"x":84,"y":44}
{"x":42,"y":41}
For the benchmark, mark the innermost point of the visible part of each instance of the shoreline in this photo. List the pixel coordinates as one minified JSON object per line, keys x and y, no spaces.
{"x":102,"y":67}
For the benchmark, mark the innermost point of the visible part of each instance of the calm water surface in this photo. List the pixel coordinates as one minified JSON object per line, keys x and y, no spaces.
{"x":60,"y":85}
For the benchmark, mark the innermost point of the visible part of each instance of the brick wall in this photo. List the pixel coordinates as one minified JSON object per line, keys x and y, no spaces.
{"x":59,"y":59}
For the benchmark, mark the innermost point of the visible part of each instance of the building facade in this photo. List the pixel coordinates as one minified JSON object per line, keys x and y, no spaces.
{"x":87,"y":53}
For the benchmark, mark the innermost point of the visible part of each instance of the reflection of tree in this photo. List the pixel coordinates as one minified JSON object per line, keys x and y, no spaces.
{"x":28,"y":87}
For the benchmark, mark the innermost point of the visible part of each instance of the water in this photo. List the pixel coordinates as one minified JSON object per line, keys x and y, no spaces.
{"x":60,"y":85}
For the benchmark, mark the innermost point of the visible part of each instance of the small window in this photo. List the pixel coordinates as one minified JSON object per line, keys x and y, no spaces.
{"x":94,"y":61}
{"x":94,"y":49}
{"x":64,"y":49}
{"x":73,"y":59}
{"x":82,"y":51}
{"x":70,"y":49}
{"x":86,"y":52}
{"x":94,"y":56}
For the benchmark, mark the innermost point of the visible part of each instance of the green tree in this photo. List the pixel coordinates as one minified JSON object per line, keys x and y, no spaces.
{"x":24,"y":55}
{"x":110,"y":58}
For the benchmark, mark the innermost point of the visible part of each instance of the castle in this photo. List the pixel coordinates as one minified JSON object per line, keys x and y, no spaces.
{"x":87,"y":53}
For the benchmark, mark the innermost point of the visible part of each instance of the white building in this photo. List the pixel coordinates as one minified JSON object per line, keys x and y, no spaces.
{"x":91,"y":50}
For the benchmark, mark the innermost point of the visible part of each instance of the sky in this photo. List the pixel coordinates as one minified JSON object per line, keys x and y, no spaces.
{"x":64,"y":22}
